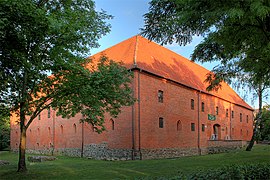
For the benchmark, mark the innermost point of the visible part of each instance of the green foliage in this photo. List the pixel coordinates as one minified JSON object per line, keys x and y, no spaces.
{"x":4,"y":128}
{"x":42,"y":37}
{"x":265,"y":124}
{"x":236,"y":33}
{"x":241,"y":172}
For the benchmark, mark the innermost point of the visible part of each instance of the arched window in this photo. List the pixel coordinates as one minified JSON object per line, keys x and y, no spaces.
{"x":62,"y":129}
{"x":75,"y":128}
{"x":112,"y":124}
{"x":179,"y":125}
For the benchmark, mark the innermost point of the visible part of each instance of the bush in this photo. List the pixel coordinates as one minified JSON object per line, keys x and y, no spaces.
{"x":245,"y":172}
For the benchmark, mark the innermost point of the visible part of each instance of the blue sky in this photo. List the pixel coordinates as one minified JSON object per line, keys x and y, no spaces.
{"x":127,"y":21}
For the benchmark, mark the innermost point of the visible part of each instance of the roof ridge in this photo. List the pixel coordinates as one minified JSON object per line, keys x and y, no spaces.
{"x":135,"y":51}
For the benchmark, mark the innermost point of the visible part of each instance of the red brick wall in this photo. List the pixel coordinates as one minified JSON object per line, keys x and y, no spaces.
{"x":143,"y":117}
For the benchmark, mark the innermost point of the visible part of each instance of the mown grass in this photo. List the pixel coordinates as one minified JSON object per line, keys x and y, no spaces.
{"x":82,"y":168}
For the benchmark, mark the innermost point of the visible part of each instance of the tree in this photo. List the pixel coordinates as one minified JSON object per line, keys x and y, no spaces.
{"x":236,"y":33}
{"x":265,"y":125}
{"x":42,"y":37}
{"x":4,"y":128}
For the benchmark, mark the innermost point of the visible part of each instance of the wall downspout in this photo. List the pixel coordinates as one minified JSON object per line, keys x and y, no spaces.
{"x":53,"y":145}
{"x":199,"y":145}
{"x":230,"y":114}
{"x":139,"y":113}
{"x":82,"y":150}
{"x":133,"y":123}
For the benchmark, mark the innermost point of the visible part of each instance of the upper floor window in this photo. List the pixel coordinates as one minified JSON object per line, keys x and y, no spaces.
{"x":241,"y":117}
{"x":232,"y":114}
{"x":227,"y":113}
{"x":39,"y":117}
{"x":112,"y":124}
{"x":192,"y":126}
{"x":161,"y":122}
{"x":216,"y":110}
{"x":179,"y":125}
{"x":160,"y":96}
{"x":192,"y":103}
{"x":202,"y":106}
{"x":247,"y":118}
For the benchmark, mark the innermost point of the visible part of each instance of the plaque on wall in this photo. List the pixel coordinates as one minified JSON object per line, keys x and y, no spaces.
{"x":211,"y":117}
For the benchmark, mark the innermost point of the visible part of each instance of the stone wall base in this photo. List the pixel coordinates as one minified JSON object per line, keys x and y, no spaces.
{"x":103,"y":152}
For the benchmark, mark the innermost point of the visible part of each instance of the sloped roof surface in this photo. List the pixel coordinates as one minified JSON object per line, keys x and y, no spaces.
{"x":156,"y":59}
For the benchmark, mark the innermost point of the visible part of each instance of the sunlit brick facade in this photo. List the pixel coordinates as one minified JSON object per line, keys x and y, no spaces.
{"x":174,"y":115}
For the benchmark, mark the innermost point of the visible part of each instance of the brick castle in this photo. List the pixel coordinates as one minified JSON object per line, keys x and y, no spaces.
{"x":174,"y":115}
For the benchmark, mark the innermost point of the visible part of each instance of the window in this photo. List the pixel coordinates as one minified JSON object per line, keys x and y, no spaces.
{"x":227,"y":113}
{"x":247,"y":118}
{"x":39,"y":117}
{"x":179,"y":125}
{"x":75,"y":128}
{"x":49,"y":129}
{"x":203,"y":127}
{"x":232,"y":114}
{"x":192,"y":126}
{"x":112,"y":124}
{"x":160,"y":96}
{"x":161,"y":122}
{"x":62,"y":129}
{"x":216,"y":110}
{"x":192,"y":103}
{"x":49,"y":113}
{"x":202,"y":106}
{"x":241,"y":132}
{"x":240,"y":117}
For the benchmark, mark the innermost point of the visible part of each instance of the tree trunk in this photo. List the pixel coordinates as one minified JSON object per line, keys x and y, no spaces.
{"x":22,"y":148}
{"x":258,"y":119}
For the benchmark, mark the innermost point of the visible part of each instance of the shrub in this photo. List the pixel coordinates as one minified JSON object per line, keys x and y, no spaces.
{"x":241,"y":172}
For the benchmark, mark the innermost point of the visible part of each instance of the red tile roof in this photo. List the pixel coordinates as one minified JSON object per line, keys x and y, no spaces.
{"x":149,"y":56}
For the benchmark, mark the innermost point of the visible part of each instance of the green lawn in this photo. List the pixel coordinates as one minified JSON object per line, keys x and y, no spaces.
{"x":81,"y":168}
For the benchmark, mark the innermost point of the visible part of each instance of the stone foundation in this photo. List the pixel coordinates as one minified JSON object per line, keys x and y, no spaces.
{"x":103,"y":152}
{"x":168,"y":153}
{"x":224,"y":146}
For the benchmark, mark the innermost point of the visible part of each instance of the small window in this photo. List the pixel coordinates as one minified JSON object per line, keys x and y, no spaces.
{"x":202,"y":106}
{"x":161,"y":122}
{"x":247,"y":118}
{"x":240,"y":117}
{"x":232,"y":114}
{"x":75,"y":128}
{"x":241,"y":132}
{"x":203,"y":127}
{"x":62,"y":129}
{"x":216,"y":110}
{"x":49,"y":113}
{"x":39,"y":117}
{"x":160,"y":96}
{"x":192,"y":103}
{"x":179,"y":125}
{"x":192,"y":126}
{"x":49,"y":129}
{"x":247,"y":132}
{"x":227,"y":113}
{"x":112,"y":124}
